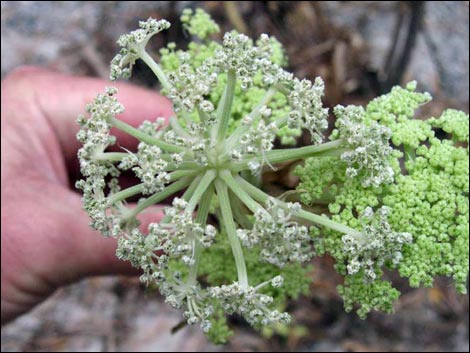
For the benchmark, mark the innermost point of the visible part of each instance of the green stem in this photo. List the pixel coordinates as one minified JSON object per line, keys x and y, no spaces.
{"x":253,"y":116}
{"x":118,"y":156}
{"x":280,"y":122}
{"x":241,"y":194}
{"x":227,"y":218}
{"x":193,"y":166}
{"x":201,"y":218}
{"x":190,"y":190}
{"x":326,"y":222}
{"x":180,"y":131}
{"x":277,"y":156}
{"x":262,"y":197}
{"x":110,"y":156}
{"x":186,"y":195}
{"x":137,"y":189}
{"x":238,"y":207}
{"x":204,"y":118}
{"x":126,"y":193}
{"x":160,"y":196}
{"x":178,"y":174}
{"x":144,"y":137}
{"x":223,"y":114}
{"x":201,"y":188}
{"x":156,"y":69}
{"x":283,"y":155}
{"x":410,"y":153}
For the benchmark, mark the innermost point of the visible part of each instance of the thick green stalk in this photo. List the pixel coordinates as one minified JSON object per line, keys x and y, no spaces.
{"x":156,"y":69}
{"x":178,"y":174}
{"x":110,"y":156}
{"x":126,"y":193}
{"x":137,"y":189}
{"x":262,"y":197}
{"x":204,"y":118}
{"x":280,"y":122}
{"x":160,"y":196}
{"x":240,"y":217}
{"x":185,"y":165}
{"x":144,"y":137}
{"x":118,"y":156}
{"x":326,"y":222}
{"x":223,"y":111}
{"x":190,"y":190}
{"x":201,"y":188}
{"x":290,"y":154}
{"x":186,"y":195}
{"x":227,"y":218}
{"x":241,"y":194}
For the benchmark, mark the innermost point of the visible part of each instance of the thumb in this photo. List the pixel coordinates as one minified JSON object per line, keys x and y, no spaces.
{"x":47,"y":243}
{"x":95,"y":254}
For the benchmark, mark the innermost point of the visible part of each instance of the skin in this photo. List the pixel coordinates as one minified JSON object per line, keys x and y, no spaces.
{"x":46,"y":241}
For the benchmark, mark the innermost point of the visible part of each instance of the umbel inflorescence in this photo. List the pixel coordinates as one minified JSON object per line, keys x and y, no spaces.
{"x":231,"y":100}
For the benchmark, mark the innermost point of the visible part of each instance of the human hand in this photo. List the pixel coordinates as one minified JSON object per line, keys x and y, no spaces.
{"x":46,"y":241}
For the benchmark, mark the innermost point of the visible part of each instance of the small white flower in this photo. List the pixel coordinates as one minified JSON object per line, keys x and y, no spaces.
{"x":370,"y":147}
{"x":376,"y":244}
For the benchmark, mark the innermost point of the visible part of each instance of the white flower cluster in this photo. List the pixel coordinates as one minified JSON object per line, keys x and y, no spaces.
{"x":246,"y":301}
{"x":132,"y":46}
{"x":238,"y":54}
{"x":280,"y":239}
{"x":194,"y":140}
{"x":94,"y":134}
{"x":258,"y":140}
{"x":306,"y":107}
{"x":140,"y":250}
{"x":370,"y":147}
{"x":190,"y":86}
{"x":377,"y":244}
{"x":178,"y":236}
{"x":149,"y":166}
{"x":179,"y":293}
{"x":177,"y":240}
{"x":155,"y":128}
{"x":201,"y":151}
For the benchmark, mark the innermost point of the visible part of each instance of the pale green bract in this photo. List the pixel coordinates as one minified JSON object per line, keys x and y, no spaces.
{"x":225,"y":246}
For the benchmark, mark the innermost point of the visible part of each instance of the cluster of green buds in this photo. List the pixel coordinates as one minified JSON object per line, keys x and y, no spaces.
{"x":197,"y":154}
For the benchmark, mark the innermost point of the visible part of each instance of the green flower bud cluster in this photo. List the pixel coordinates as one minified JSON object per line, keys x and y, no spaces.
{"x":427,"y":201}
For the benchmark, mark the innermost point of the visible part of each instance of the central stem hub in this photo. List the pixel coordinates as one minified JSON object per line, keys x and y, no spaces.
{"x":215,"y":157}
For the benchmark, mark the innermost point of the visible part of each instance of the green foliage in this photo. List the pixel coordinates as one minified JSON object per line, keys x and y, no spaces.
{"x":428,"y":198}
{"x":218,"y":267}
{"x":220,"y":332}
{"x":199,"y":23}
{"x":377,"y":295}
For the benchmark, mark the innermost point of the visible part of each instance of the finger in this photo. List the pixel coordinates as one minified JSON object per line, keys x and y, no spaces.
{"x":61,"y":98}
{"x":53,"y":240}
{"x":104,"y":260}
{"x":51,"y":245}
